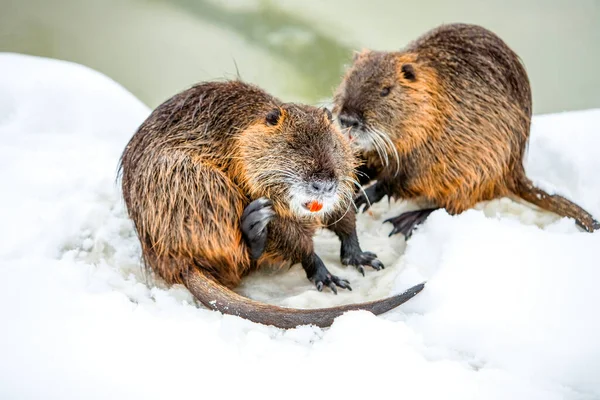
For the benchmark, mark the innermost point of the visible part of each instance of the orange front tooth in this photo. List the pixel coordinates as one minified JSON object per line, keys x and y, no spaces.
{"x":315,"y":206}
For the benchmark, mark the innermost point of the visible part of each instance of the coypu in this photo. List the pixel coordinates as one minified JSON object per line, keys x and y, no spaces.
{"x":223,"y":178}
{"x":445,"y":120}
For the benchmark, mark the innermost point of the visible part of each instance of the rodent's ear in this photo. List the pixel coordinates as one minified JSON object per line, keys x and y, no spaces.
{"x":273,"y":117}
{"x":408,"y":71}
{"x":358,"y":54}
{"x":328,"y":113}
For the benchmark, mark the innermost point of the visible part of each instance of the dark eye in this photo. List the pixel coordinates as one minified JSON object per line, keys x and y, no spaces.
{"x":273,"y":116}
{"x":385,"y":91}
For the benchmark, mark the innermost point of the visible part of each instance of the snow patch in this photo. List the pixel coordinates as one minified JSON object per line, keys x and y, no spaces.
{"x":509,"y":311}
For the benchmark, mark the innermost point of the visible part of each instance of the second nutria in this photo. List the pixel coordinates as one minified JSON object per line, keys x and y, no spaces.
{"x":223,"y":178}
{"x":447,"y":120}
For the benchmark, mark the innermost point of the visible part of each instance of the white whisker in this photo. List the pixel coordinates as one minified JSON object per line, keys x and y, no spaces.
{"x":378,"y":149}
{"x":388,"y":145}
{"x":361,"y":189}
{"x":342,"y":217}
{"x":393,"y":150}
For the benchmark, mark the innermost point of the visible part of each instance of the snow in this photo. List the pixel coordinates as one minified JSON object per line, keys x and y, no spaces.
{"x":509,"y":311}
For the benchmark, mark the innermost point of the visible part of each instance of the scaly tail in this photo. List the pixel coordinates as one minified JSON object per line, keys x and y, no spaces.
{"x":217,"y":297}
{"x":555,"y":203}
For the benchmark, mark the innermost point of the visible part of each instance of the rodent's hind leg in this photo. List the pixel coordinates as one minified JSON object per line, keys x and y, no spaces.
{"x":317,"y":272}
{"x":254,"y":221}
{"x":196,"y":209}
{"x":406,"y":222}
{"x":351,"y":253}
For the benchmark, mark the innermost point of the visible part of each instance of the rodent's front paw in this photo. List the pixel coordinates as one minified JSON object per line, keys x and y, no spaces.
{"x":359,"y":260}
{"x":360,"y":200}
{"x":368,"y":197}
{"x":330,"y":280}
{"x":255,"y":218}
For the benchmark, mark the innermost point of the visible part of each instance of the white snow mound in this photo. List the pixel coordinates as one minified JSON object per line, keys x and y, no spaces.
{"x":509,"y":311}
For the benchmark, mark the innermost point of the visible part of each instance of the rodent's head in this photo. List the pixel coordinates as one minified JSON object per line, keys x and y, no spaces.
{"x":382,"y":100}
{"x":297,"y":157}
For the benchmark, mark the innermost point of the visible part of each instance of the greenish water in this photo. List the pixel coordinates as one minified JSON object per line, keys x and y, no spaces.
{"x":296,"y":49}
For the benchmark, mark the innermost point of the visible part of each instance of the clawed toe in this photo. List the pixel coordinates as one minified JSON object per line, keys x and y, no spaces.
{"x":343,"y":283}
{"x":377,"y":265}
{"x":332,"y":287}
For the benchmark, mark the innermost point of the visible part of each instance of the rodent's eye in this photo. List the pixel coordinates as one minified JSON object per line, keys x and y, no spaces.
{"x":273,"y":116}
{"x":408,"y":71}
{"x":385,"y":91}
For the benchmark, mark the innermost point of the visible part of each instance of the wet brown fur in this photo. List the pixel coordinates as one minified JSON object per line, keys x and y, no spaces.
{"x":460,"y":127}
{"x":199,"y":159}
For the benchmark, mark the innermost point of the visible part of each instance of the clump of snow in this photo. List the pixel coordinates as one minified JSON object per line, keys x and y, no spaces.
{"x":509,"y":311}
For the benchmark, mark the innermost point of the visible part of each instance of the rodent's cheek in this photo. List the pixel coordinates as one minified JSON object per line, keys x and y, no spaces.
{"x":363,"y":142}
{"x":298,"y":200}
{"x":296,"y":205}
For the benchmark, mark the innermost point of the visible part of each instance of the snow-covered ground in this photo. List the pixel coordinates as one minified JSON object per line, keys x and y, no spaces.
{"x":509,"y":312}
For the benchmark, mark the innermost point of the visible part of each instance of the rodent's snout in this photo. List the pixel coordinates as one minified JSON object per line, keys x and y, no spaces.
{"x":352,"y":124}
{"x":322,"y":188}
{"x":319,"y":195}
{"x":350,"y":120}
{"x":355,"y":128}
{"x":314,"y":196}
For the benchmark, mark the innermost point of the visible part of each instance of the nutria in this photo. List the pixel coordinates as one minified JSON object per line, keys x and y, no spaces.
{"x":446,"y":120}
{"x":223,"y":178}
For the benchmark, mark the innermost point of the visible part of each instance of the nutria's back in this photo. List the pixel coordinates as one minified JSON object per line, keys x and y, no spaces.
{"x":483,"y":80}
{"x":471,"y":60}
{"x":181,"y":122}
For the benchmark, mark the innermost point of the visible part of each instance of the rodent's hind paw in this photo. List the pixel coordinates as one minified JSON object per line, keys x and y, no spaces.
{"x":405,"y":223}
{"x":255,"y":218}
{"x":364,"y":258}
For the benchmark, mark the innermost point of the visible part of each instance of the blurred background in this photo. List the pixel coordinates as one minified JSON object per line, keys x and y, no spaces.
{"x":296,"y":49}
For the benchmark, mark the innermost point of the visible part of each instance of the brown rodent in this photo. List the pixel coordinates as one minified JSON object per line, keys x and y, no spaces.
{"x":223,"y":178}
{"x":446,"y":120}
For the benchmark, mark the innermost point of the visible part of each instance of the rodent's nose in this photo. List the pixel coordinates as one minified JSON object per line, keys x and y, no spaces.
{"x":349,"y":121}
{"x":323,"y":187}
